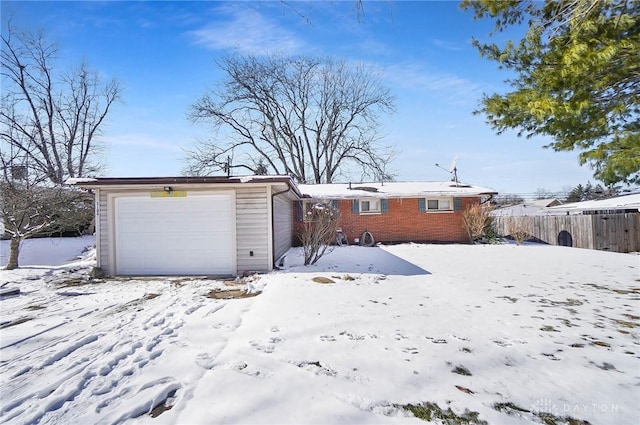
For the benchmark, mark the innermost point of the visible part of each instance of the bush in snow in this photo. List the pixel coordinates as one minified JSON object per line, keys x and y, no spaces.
{"x":318,"y":232}
{"x":477,"y":221}
{"x":518,"y":229}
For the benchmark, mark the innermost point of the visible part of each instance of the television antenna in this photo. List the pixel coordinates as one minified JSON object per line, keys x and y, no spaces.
{"x":453,"y":169}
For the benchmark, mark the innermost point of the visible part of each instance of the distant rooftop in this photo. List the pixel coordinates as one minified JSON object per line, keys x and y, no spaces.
{"x":619,"y":202}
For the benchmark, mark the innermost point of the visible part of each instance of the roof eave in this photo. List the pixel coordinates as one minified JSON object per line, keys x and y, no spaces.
{"x":102,"y":182}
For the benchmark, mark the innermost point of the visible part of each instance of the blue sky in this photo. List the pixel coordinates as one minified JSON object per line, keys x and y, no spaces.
{"x":164,"y":55}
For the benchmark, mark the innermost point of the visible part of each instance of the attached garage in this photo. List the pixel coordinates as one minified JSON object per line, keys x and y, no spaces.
{"x":184,"y":235}
{"x":191,"y":225}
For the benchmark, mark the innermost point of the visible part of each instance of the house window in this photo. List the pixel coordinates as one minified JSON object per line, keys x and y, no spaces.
{"x":369,"y":206}
{"x":436,"y":204}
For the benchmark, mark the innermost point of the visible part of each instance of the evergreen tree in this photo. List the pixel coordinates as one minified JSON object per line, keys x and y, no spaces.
{"x":577,"y":78}
{"x":576,"y":194}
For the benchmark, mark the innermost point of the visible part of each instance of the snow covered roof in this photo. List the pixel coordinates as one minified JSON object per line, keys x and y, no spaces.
{"x":78,"y":180}
{"x":105,"y":181}
{"x":536,"y":207}
{"x":548,"y":202}
{"x":332,"y":191}
{"x":525,"y":210}
{"x":627,"y":202}
{"x":392,"y":190}
{"x":184,"y":180}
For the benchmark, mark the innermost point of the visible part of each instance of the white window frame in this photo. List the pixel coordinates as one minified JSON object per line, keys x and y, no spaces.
{"x":439,"y":209}
{"x":378,"y":202}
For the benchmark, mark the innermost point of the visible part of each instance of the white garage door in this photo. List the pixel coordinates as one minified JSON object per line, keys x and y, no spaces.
{"x":188,"y":235}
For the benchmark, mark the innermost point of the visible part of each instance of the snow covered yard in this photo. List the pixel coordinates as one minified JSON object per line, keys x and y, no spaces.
{"x":47,"y":251}
{"x":518,"y":334}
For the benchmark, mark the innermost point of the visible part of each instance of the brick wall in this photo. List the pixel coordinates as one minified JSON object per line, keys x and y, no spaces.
{"x":404,"y":222}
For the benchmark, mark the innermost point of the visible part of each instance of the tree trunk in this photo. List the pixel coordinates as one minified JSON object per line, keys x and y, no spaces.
{"x":14,"y":251}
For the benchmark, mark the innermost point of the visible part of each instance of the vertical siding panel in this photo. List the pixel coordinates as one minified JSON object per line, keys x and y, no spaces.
{"x":252,"y":229}
{"x":282,"y":225}
{"x":102,"y":238}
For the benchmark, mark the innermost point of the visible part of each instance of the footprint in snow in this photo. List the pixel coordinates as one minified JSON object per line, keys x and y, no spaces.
{"x":352,"y":337}
{"x":205,"y":361}
{"x":261,"y":347}
{"x":241,"y":367}
{"x":329,"y":338}
{"x":317,"y":368}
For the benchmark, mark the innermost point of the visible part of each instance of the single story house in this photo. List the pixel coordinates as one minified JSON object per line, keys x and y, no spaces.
{"x":234,"y":225}
{"x":397,"y":211}
{"x":191,"y":225}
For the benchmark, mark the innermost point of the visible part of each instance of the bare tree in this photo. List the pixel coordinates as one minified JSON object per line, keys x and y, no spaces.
{"x":542,"y":193}
{"x":319,"y":231}
{"x":309,"y":117}
{"x":29,"y":207}
{"x":51,"y":118}
{"x":49,"y":125}
{"x":508,"y":199}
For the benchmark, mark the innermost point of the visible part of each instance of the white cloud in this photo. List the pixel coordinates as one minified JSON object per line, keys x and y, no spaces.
{"x":248,"y":31}
{"x":447,"y":45}
{"x":142,"y":140}
{"x":415,"y":77}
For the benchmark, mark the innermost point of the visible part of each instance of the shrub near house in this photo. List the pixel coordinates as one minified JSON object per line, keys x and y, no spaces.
{"x":397,"y":212}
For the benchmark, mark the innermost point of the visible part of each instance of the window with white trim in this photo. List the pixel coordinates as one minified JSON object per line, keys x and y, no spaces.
{"x":364,"y":206}
{"x":439,"y":204}
{"x":370,"y":206}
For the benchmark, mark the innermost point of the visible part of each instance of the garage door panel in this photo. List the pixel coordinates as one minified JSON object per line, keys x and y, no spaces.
{"x":189,"y":235}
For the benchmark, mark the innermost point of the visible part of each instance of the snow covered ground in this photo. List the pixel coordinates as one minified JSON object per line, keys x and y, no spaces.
{"x":47,"y":251}
{"x":518,"y":334}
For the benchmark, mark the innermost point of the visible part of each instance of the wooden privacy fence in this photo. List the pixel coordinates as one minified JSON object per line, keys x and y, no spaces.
{"x":606,"y":232}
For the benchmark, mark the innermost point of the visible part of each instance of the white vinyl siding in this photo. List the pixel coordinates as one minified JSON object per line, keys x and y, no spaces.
{"x":282,"y":225}
{"x":102,"y":231}
{"x":252,"y":229}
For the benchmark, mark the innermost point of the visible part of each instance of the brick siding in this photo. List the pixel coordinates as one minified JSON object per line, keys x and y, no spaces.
{"x":404,"y":222}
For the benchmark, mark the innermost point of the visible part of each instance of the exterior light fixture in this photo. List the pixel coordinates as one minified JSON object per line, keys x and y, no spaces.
{"x":168,"y":189}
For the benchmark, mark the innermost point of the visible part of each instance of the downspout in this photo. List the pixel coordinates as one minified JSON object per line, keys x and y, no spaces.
{"x":487,"y":200}
{"x":273,"y":224}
